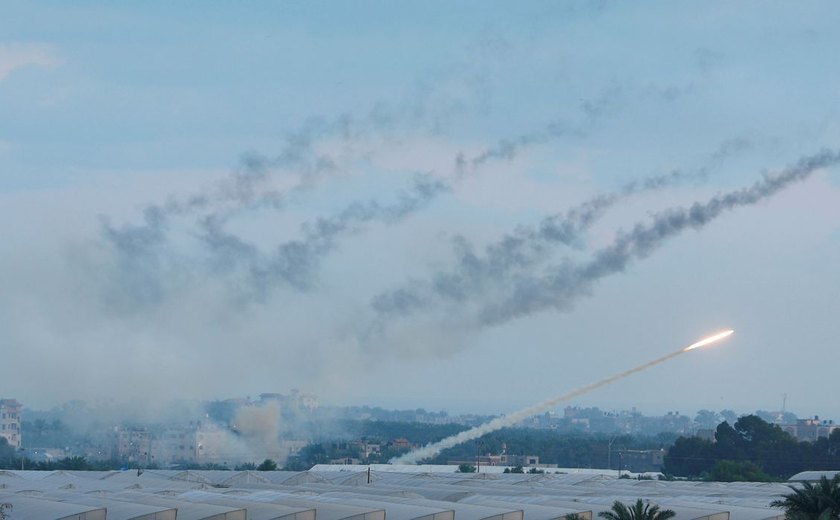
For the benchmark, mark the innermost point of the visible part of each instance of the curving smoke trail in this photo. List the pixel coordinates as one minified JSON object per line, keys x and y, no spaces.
{"x":433,"y":449}
{"x":145,"y":258}
{"x":568,"y":282}
{"x":527,"y":246}
{"x":251,"y":185}
{"x":294,"y":263}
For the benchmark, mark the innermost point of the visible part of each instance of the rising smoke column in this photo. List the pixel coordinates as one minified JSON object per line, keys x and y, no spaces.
{"x":433,"y":449}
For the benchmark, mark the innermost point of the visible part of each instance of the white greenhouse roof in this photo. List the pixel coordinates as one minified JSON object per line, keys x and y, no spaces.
{"x":394,"y":492}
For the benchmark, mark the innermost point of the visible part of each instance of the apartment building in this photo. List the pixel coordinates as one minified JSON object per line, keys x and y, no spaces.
{"x":10,"y":421}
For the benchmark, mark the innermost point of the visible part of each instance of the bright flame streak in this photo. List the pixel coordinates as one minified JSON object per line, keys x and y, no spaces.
{"x":432,"y":449}
{"x":711,"y":339}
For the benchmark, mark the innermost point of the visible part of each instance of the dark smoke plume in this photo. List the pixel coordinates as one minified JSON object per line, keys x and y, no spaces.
{"x":607,"y":103}
{"x":251,"y":185}
{"x":568,"y":282}
{"x":516,"y":254}
{"x":294,"y":263}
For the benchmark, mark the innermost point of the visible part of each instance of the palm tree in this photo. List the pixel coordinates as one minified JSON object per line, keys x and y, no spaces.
{"x":812,"y":501}
{"x":638,"y":511}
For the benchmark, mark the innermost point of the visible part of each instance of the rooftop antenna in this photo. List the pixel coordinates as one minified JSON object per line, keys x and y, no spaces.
{"x":781,"y":417}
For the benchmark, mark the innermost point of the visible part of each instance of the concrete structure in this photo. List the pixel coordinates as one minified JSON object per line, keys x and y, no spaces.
{"x":133,"y":445}
{"x":10,"y":421}
{"x":810,"y":429}
{"x":174,"y":445}
{"x":504,"y":459}
{"x":295,"y":401}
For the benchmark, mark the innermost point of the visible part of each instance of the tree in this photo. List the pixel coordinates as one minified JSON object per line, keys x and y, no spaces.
{"x":466,"y":468}
{"x":689,"y":456}
{"x":729,"y":416}
{"x":638,"y":511}
{"x":812,"y":501}
{"x":707,"y":418}
{"x":74,"y":463}
{"x":7,"y":454}
{"x":735,"y":471}
{"x":267,"y":465}
{"x":750,"y":439}
{"x":3,"y":508}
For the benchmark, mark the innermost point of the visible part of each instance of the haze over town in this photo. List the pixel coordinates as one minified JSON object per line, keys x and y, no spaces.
{"x":470,"y":206}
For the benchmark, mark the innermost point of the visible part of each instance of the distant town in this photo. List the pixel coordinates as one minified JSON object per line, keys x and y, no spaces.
{"x":294,"y":431}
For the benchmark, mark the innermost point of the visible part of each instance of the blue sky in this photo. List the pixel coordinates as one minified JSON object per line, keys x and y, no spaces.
{"x":215,"y":199}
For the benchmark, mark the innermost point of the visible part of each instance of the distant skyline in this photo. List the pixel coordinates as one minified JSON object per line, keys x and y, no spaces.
{"x":110,"y":411}
{"x":472,"y":206}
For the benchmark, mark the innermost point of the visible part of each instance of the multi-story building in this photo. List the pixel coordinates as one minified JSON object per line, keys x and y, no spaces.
{"x":174,"y":445}
{"x":10,"y":421}
{"x":132,"y":445}
{"x":294,"y":402}
{"x":810,"y":429}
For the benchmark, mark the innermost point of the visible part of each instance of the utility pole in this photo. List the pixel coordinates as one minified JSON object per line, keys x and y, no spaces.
{"x":620,"y":463}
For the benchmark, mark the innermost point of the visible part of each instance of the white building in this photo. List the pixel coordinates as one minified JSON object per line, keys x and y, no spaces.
{"x":10,"y":421}
{"x":810,"y":429}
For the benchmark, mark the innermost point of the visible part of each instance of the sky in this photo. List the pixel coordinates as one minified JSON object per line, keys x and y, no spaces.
{"x":469,"y":206}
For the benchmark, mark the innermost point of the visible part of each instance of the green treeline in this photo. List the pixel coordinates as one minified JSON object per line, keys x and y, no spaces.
{"x":578,"y":450}
{"x":567,"y":450}
{"x":751,"y":449}
{"x":414,"y":432}
{"x":11,"y":459}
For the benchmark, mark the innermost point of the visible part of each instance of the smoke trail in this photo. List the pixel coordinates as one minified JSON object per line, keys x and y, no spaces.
{"x":295,"y":262}
{"x":250,"y":185}
{"x":433,"y":449}
{"x":568,"y":282}
{"x":526,"y":247}
{"x":606,"y":103}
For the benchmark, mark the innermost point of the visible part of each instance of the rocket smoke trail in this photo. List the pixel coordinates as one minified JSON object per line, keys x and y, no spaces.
{"x":521,"y":250}
{"x":568,"y":282}
{"x":433,"y":449}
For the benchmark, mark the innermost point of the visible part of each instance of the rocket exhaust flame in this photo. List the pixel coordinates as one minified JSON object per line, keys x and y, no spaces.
{"x":711,"y":339}
{"x":433,"y":449}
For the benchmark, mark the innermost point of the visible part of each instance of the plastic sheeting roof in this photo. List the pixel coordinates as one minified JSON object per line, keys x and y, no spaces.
{"x":401,"y":493}
{"x":42,"y":509}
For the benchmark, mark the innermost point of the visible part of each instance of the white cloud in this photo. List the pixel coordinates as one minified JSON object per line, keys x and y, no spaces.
{"x":16,"y":55}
